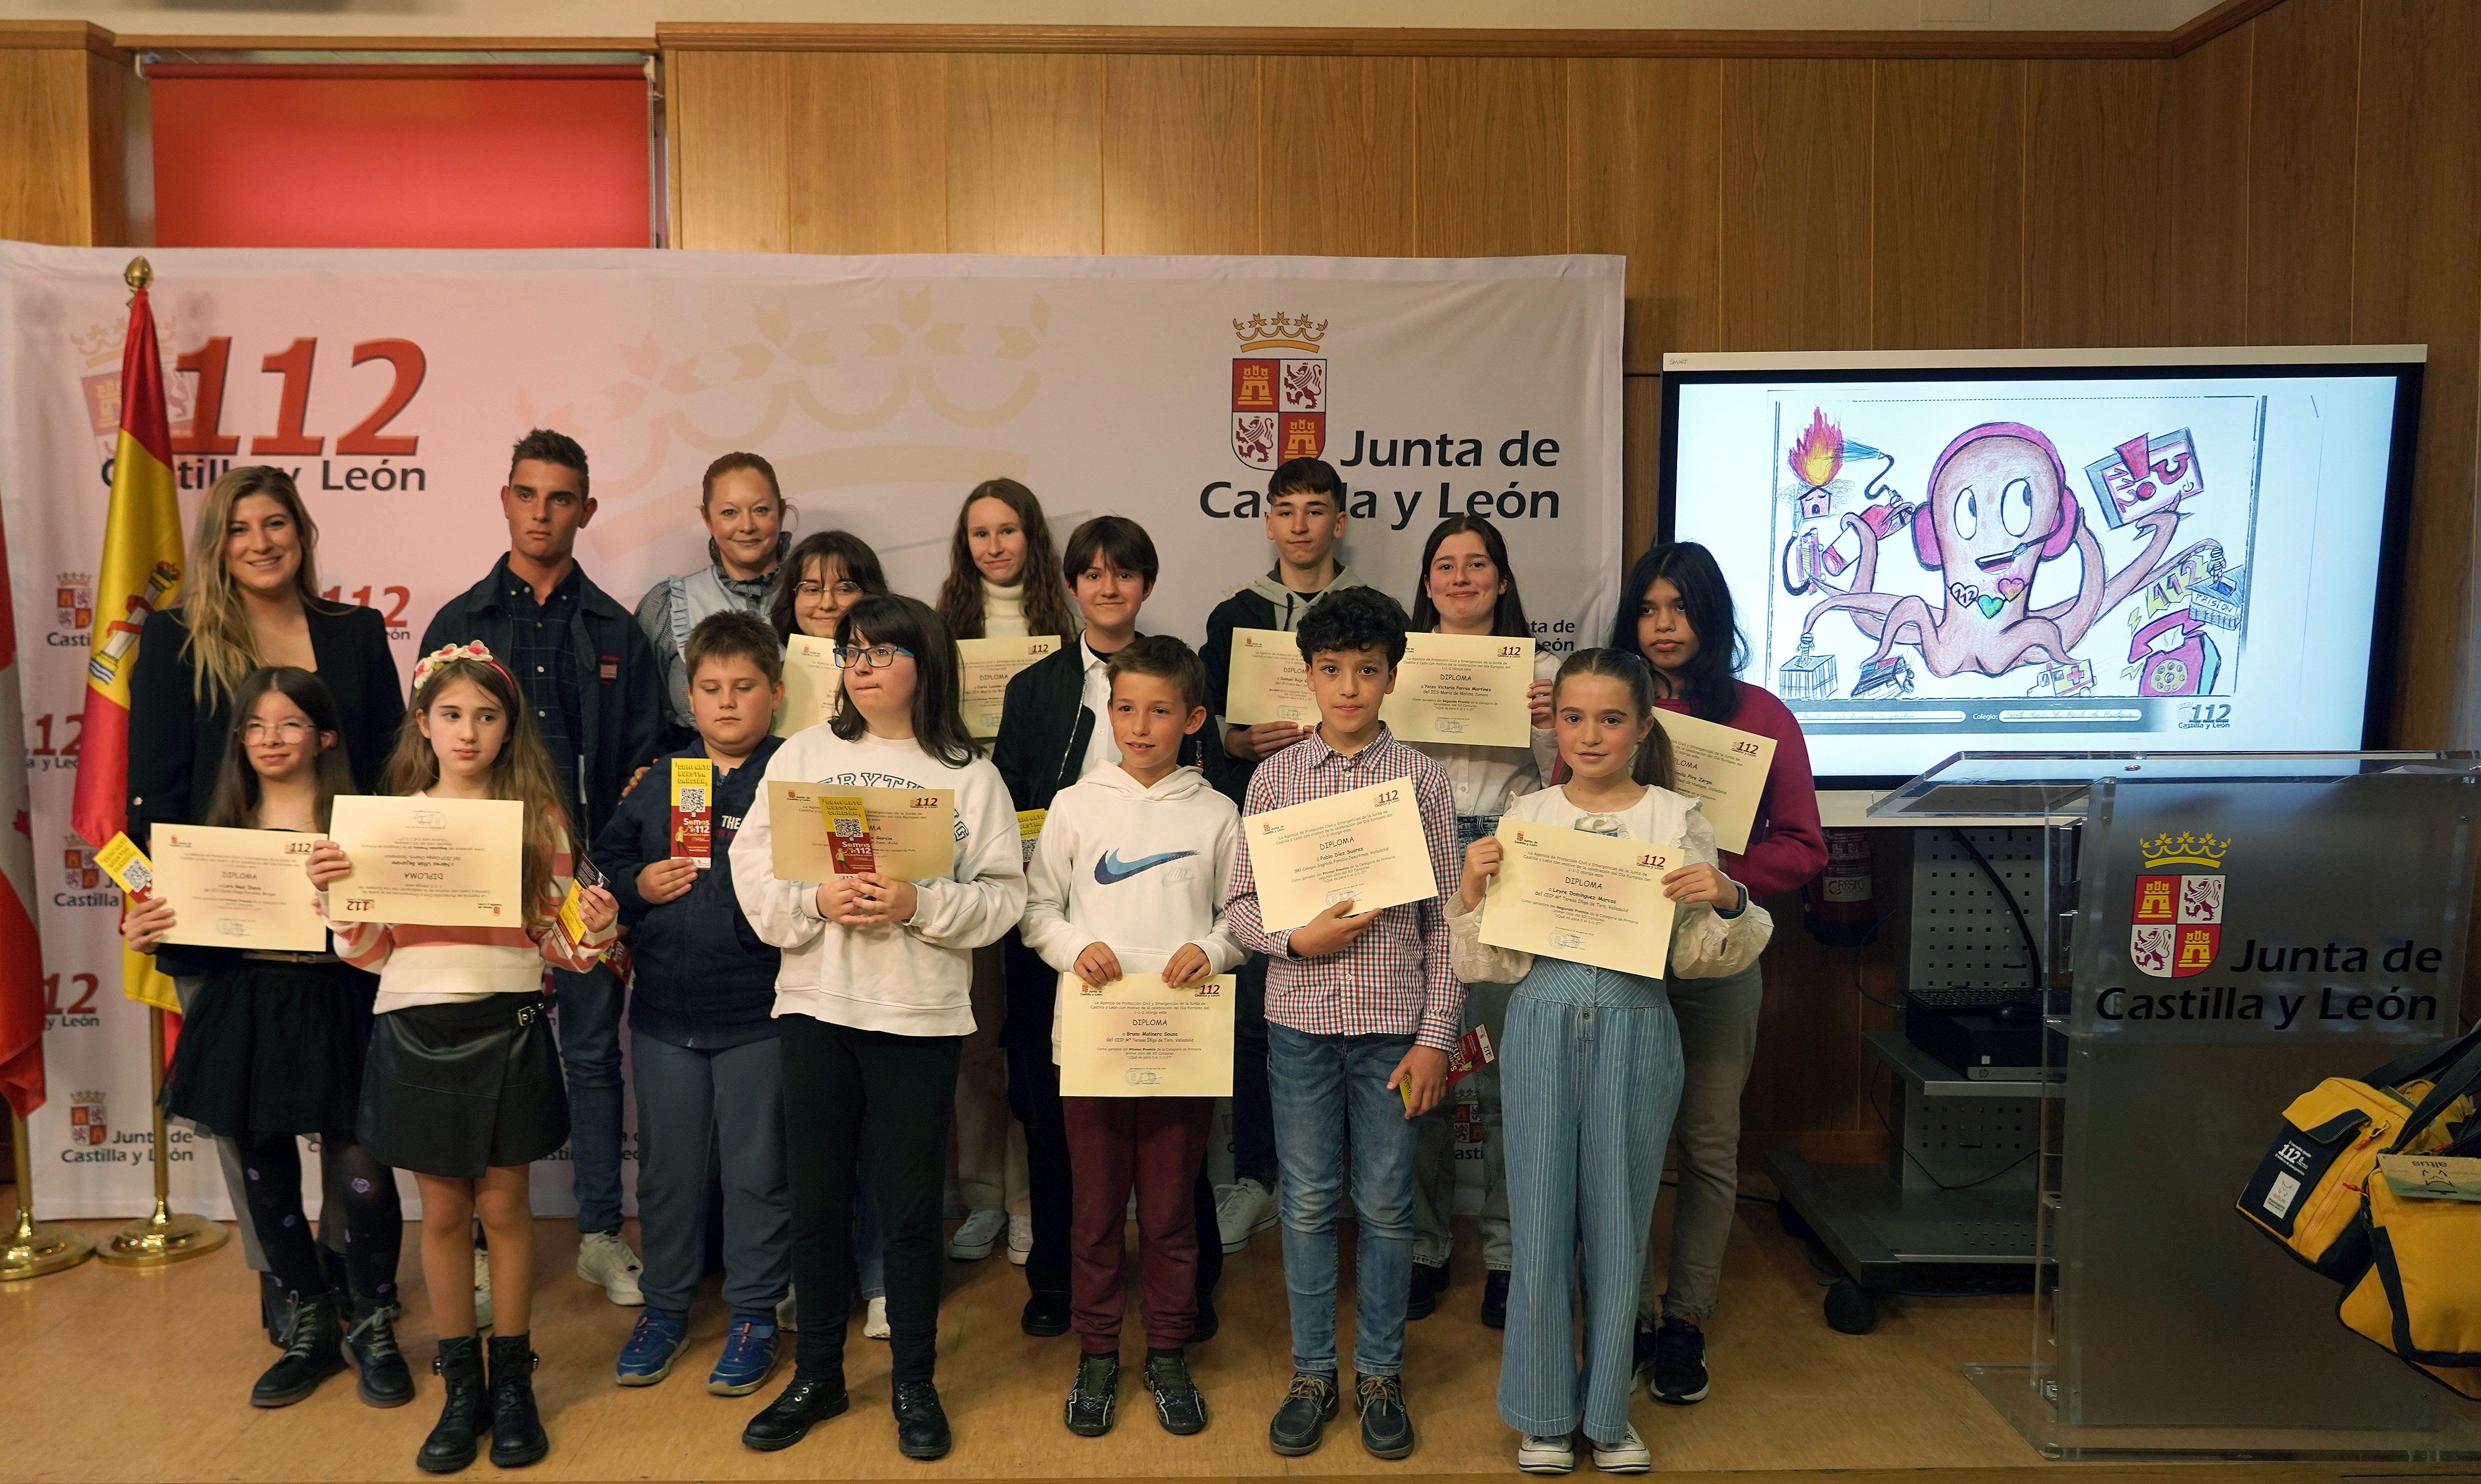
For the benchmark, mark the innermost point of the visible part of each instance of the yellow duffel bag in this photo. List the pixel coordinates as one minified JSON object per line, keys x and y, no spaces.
{"x":2305,"y":1194}
{"x":2420,"y":1297}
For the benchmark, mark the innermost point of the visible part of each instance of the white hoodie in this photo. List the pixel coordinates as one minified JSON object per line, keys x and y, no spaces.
{"x":914,"y":978}
{"x":1142,"y":871}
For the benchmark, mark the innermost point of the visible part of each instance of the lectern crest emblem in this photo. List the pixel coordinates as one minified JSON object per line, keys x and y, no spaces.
{"x":2176,"y":923}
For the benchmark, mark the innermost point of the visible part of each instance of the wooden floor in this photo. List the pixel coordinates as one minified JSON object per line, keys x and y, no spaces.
{"x":114,"y":1375}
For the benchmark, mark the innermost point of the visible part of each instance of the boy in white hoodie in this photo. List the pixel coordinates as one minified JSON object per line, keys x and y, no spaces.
{"x":1129,"y":876}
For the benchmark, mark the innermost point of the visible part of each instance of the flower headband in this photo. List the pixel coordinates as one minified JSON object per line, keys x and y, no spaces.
{"x":430,"y":664}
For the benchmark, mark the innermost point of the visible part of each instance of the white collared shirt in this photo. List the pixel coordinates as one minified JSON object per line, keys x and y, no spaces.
{"x":1101,"y":750}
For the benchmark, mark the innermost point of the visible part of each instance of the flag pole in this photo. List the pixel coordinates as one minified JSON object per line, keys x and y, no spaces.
{"x":162,"y":1237}
{"x":32,"y":1248}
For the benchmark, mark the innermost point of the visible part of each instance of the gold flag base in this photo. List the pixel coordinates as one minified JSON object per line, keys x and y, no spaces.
{"x":162,"y":1239}
{"x":33,"y":1248}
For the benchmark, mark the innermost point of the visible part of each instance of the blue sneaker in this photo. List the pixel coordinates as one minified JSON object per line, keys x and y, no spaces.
{"x":654,"y":1343}
{"x":748,"y":1359}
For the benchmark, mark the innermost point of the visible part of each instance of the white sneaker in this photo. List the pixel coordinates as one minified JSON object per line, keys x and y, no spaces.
{"x":978,"y":1237}
{"x":604,"y":1259}
{"x":482,"y":1290}
{"x":1243,"y":1210}
{"x":874,"y":1323}
{"x":1020,"y":1240}
{"x":1546,"y":1455}
{"x":1629,"y":1455}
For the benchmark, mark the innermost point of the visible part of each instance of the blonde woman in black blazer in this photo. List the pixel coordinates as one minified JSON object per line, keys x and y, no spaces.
{"x":249,"y":597}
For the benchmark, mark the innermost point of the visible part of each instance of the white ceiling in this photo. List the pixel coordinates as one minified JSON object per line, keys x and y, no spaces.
{"x":637,"y":18}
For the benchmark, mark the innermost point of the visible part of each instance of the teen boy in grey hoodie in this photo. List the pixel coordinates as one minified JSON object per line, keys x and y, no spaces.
{"x":1305,"y":517}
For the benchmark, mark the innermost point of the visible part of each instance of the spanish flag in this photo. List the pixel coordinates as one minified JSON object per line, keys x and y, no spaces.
{"x":141,"y":572}
{"x":21,"y":957}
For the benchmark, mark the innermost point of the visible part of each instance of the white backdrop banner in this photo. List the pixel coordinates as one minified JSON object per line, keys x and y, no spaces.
{"x":392,"y":385}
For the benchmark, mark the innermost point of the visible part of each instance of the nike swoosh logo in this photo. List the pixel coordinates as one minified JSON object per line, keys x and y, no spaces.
{"x":1110,"y":869}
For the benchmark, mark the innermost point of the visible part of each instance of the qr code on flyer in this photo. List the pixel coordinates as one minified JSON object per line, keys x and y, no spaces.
{"x":692,"y":799}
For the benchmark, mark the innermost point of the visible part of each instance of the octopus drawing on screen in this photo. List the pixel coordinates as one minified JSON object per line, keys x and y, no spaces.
{"x":1999,"y":506}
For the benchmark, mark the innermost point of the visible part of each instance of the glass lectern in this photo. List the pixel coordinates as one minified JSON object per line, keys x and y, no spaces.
{"x":2234,"y":928}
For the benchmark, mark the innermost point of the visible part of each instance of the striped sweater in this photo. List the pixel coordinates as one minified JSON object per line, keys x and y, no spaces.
{"x":419,"y":965}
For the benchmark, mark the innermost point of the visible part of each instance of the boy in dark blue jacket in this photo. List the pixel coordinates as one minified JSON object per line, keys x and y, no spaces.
{"x":708,"y":1074}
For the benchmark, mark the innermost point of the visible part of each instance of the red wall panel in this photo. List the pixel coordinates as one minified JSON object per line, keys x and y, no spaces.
{"x":258,"y":161}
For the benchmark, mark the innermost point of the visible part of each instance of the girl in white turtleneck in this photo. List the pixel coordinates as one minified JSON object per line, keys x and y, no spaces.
{"x":1002,"y":581}
{"x":1004,"y":577}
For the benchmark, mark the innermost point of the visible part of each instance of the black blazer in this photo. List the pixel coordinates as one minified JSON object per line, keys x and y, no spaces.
{"x":175,"y":744}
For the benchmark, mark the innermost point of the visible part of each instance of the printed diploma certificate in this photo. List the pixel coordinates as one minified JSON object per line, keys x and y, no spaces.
{"x":1725,"y":767}
{"x":1587,"y":898}
{"x":1464,"y":688}
{"x":1364,"y":845}
{"x":435,"y":862}
{"x":984,"y":669}
{"x":814,"y":689}
{"x":1138,"y":1037}
{"x":912,"y":832}
{"x":1270,"y":682}
{"x":239,"y":888}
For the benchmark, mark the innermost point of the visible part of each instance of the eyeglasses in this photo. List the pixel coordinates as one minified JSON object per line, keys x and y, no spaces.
{"x":282,"y":731}
{"x":822,"y":589}
{"x":850,"y":657}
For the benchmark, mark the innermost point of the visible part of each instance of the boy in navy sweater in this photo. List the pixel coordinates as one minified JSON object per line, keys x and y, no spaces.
{"x":708,"y":1074}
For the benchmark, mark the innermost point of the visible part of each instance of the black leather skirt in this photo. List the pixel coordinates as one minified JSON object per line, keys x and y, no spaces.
{"x":455,"y":1089}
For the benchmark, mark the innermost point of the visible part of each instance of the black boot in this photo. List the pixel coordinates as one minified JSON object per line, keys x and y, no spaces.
{"x":380,"y":1374}
{"x":517,"y":1437}
{"x":466,"y":1413}
{"x":311,"y":1353}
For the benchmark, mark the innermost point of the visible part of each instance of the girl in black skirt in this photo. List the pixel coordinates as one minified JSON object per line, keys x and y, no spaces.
{"x":272,"y":1049}
{"x":463,"y":1086}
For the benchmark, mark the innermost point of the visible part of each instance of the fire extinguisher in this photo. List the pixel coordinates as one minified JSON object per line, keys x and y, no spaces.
{"x":1840,"y":909}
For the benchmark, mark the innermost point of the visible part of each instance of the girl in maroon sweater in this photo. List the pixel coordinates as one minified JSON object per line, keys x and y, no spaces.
{"x":1676,"y":610}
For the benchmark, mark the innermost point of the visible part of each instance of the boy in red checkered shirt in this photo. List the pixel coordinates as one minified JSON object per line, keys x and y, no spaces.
{"x":1362,"y":1015}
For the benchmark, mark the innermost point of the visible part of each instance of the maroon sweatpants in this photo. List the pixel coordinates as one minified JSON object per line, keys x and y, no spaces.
{"x":1156,"y":1144}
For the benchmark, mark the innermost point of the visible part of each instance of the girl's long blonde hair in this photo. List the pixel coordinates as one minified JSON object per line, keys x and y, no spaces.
{"x":522,"y":770}
{"x":221,"y":650}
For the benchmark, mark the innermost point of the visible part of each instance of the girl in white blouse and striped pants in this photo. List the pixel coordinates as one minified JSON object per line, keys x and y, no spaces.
{"x":1590,"y":1070}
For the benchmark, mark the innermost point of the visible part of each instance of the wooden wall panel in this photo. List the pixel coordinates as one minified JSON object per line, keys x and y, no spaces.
{"x":1640,"y":462}
{"x":1025,"y":153}
{"x":2304,"y":78}
{"x":2206,"y":183}
{"x":1489,"y":174}
{"x":1794,"y":259}
{"x":867,"y":152}
{"x":1335,"y":171}
{"x":45,"y":190}
{"x":2418,"y":182}
{"x":1180,"y":154}
{"x":2097,"y":205}
{"x":1645,"y":178}
{"x":729,"y":113}
{"x":1948,"y":208}
{"x":106,"y":130}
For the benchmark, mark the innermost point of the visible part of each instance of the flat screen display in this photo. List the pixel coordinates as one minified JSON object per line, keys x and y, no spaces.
{"x":2098,"y":554}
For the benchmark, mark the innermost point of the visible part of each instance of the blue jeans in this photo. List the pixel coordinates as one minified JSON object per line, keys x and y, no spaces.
{"x":587,"y":1010}
{"x":1325,"y":1087}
